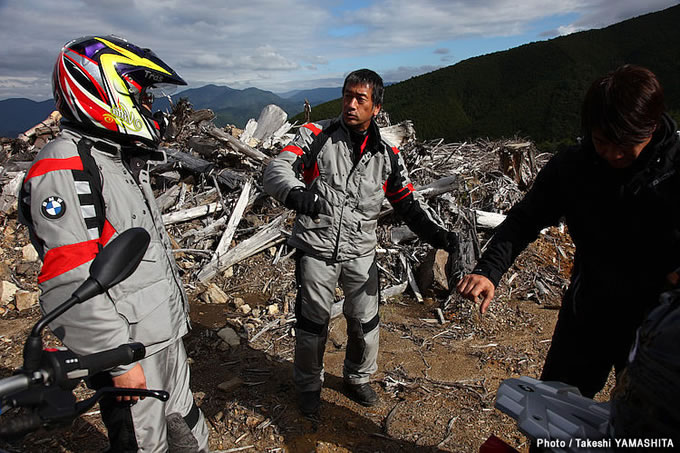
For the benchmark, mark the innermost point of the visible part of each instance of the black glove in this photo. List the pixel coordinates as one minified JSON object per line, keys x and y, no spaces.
{"x":303,"y":202}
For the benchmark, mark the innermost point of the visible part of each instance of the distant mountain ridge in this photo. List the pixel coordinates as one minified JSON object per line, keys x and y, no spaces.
{"x":534,"y":90}
{"x":231,"y":106}
{"x":18,"y":115}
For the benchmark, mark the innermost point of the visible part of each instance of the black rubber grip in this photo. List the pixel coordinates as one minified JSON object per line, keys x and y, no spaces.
{"x":105,"y":360}
{"x":16,"y":427}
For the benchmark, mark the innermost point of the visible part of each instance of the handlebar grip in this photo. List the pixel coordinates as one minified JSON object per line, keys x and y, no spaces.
{"x":122,"y":355}
{"x":14,"y":384}
{"x":18,"y":426}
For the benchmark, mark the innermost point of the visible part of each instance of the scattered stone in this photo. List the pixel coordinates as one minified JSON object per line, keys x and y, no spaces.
{"x":199,"y":397}
{"x":29,"y":253}
{"x":229,"y":272}
{"x":230,"y":385}
{"x":272,"y":309}
{"x":5,"y":272}
{"x":255,"y":312}
{"x":229,"y":336}
{"x":238,"y":302}
{"x":214,"y":295}
{"x":337,"y":335}
{"x":252,"y":421}
{"x":7,"y":291}
{"x":25,"y":268}
{"x":26,"y":299}
{"x":433,"y":270}
{"x":245,"y":309}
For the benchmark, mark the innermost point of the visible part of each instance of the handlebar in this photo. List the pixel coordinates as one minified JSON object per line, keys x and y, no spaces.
{"x":14,"y":384}
{"x":122,"y":355}
{"x":68,"y":367}
{"x":65,"y":369}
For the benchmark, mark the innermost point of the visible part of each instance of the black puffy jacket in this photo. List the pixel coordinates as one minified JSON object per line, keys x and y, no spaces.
{"x":625,"y":225}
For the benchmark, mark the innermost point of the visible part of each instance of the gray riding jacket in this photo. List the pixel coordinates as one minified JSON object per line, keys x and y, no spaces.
{"x":77,"y":196}
{"x":322,"y":160}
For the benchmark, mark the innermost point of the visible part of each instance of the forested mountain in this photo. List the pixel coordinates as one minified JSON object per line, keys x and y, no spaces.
{"x":534,"y":90}
{"x":233,"y":106}
{"x":19,"y":114}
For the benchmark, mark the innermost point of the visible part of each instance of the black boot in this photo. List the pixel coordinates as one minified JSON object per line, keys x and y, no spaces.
{"x":361,"y":393}
{"x":309,"y":404}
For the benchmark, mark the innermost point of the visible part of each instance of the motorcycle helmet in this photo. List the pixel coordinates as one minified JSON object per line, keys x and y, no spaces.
{"x":105,"y":85}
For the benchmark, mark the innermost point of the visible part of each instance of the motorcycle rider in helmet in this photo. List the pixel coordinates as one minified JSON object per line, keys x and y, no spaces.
{"x":85,"y":187}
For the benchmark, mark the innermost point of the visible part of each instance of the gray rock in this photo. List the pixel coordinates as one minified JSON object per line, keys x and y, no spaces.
{"x":229,"y":336}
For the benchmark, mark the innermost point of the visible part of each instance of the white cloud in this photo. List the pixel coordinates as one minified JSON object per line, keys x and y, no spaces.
{"x":406,"y":72}
{"x":276,"y":44}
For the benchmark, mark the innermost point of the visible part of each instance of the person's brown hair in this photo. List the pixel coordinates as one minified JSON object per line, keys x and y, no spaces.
{"x":625,"y":105}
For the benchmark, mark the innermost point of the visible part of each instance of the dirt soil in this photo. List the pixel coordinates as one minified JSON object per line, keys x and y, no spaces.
{"x":437,"y":383}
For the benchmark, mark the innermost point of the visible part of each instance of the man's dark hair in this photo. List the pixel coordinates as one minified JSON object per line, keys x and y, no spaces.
{"x":625,"y":105}
{"x":372,"y":79}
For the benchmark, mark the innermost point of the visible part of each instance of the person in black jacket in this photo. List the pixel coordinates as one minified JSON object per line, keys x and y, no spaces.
{"x":617,"y":193}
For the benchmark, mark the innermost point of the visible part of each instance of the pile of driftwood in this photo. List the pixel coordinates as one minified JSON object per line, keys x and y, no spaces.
{"x":222,"y":223}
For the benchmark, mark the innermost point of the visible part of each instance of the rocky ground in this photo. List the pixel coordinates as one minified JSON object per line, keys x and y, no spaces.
{"x":437,"y":376}
{"x":437,"y":382}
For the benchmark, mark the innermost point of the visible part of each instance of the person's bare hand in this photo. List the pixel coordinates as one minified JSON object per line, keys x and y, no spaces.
{"x":133,"y":379}
{"x":477,"y":288}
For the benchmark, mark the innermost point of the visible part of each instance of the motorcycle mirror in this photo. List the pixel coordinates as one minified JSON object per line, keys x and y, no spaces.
{"x":114,"y":263}
{"x":120,"y":258}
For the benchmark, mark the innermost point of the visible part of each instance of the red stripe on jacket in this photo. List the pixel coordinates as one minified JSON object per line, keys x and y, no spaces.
{"x":62,"y":259}
{"x":47,"y":165}
{"x":315,"y":130}
{"x":293,"y":149}
{"x":401,"y":193}
{"x":310,"y":174}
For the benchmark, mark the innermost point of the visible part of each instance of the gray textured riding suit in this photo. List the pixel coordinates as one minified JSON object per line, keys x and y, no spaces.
{"x":77,"y":195}
{"x":339,"y":245}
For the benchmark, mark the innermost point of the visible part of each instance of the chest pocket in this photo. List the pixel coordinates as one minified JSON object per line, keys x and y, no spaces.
{"x":371,"y":179}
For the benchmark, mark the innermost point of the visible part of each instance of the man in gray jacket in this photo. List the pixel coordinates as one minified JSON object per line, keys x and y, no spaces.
{"x":84,"y":188}
{"x":336,"y":174}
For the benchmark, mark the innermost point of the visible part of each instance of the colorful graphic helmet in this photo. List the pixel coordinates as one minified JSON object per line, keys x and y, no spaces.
{"x":105,"y":84}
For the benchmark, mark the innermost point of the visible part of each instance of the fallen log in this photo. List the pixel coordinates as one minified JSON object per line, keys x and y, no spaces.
{"x":399,"y":134}
{"x":229,"y":231}
{"x":195,"y":165}
{"x":168,"y":198}
{"x":235,"y":143}
{"x":438,"y":187}
{"x":8,"y":199}
{"x":191,"y":213}
{"x":268,"y":236}
{"x":411,"y":279}
{"x":49,"y":125}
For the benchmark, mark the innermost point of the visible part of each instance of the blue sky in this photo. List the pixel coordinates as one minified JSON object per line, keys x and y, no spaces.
{"x":283,"y":45}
